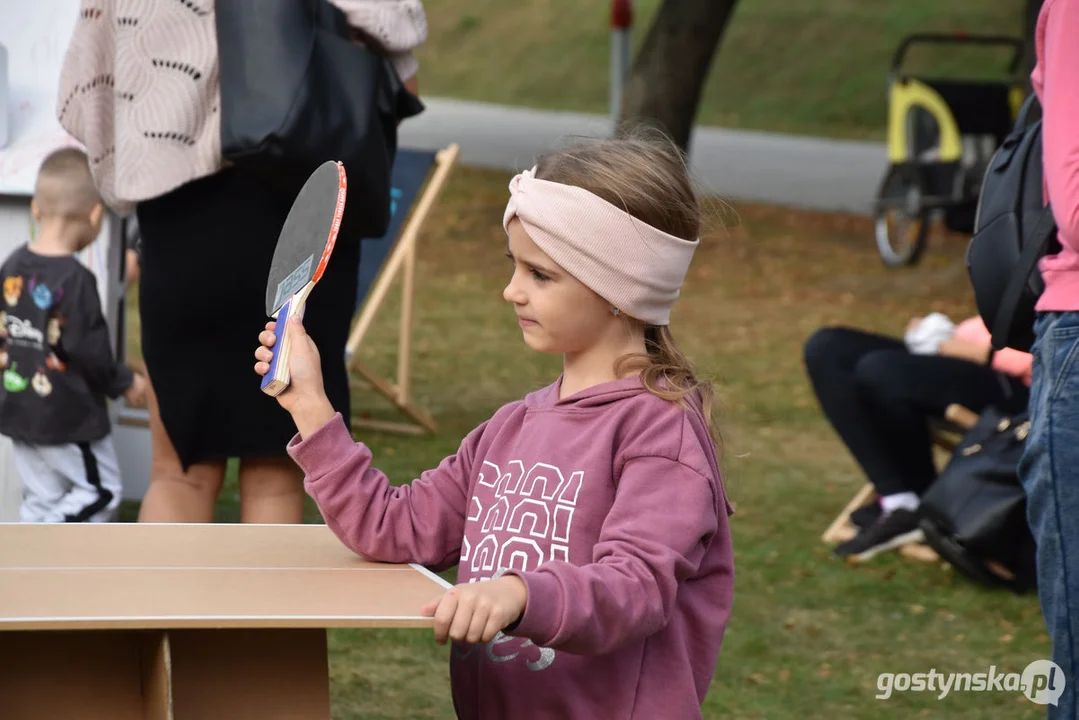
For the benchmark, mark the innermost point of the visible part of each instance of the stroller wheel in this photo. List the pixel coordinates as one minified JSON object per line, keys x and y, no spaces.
{"x":901,"y":227}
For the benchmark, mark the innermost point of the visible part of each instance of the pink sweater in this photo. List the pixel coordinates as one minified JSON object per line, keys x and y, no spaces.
{"x":139,"y":87}
{"x":1056,"y":82}
{"x":608,"y":505}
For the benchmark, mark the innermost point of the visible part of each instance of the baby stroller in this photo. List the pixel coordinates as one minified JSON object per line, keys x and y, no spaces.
{"x":941,"y":136}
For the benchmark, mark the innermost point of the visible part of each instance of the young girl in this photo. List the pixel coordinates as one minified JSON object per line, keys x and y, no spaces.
{"x":592,"y":510}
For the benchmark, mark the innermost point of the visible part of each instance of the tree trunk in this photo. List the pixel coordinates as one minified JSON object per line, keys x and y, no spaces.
{"x":665,"y":85}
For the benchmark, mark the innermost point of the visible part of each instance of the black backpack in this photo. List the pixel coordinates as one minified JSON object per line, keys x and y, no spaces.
{"x":974,"y":514}
{"x":1013,"y":229}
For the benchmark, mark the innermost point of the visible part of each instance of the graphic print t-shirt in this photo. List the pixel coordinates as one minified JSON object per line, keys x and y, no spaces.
{"x":56,"y":359}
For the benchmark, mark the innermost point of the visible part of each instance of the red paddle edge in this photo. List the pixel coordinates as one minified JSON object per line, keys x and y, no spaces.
{"x":338,"y":213}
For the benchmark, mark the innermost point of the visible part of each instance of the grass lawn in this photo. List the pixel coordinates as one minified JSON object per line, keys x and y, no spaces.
{"x":816,"y":67}
{"x":809,"y":635}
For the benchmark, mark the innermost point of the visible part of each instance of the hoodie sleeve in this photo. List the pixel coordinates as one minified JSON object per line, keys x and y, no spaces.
{"x":420,"y":522}
{"x":647,"y":546}
{"x":84,"y":342}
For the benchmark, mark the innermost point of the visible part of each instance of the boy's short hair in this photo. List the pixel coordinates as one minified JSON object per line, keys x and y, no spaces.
{"x":65,"y":186}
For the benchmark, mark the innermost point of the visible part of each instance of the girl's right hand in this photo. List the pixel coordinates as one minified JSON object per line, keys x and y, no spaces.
{"x":305,"y":392}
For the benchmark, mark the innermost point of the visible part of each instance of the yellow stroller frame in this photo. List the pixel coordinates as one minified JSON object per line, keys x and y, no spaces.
{"x":941,"y":135}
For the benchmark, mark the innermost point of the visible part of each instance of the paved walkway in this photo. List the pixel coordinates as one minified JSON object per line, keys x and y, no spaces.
{"x":839,"y":175}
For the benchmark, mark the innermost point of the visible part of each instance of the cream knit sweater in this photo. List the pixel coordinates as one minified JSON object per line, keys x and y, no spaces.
{"x":140,"y":90}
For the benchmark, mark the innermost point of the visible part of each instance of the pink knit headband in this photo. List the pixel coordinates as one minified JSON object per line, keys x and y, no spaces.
{"x":630,"y":264}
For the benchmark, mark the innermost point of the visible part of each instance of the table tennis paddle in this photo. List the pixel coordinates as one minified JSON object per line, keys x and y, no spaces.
{"x":303,"y":251}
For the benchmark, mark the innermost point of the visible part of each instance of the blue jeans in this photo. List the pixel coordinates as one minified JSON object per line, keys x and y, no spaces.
{"x":1049,"y":471}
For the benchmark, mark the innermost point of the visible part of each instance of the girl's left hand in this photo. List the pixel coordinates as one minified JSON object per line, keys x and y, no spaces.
{"x":476,"y":612}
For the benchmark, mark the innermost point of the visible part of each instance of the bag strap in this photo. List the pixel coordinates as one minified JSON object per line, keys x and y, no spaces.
{"x":1036,"y":244}
{"x":1022,"y":117}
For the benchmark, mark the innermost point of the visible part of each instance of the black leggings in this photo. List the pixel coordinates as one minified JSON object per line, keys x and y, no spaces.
{"x":878,"y":396}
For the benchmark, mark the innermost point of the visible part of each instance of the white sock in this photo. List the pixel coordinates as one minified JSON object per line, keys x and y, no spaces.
{"x":905,"y":500}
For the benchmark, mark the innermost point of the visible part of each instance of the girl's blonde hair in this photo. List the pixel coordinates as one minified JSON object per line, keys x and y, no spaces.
{"x":644,"y":173}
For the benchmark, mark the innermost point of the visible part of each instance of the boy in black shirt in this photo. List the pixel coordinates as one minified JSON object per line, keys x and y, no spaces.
{"x":56,"y":357}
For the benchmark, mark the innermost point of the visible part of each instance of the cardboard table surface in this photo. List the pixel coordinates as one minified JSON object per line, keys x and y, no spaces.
{"x":129,"y":575}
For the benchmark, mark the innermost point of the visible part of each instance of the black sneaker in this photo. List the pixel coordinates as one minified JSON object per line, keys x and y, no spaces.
{"x":866,"y":515}
{"x":898,"y":527}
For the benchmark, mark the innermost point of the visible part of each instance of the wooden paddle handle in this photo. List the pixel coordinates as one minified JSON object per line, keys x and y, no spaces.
{"x":279,"y":376}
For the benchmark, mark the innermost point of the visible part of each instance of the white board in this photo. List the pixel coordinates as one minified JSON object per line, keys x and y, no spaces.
{"x":35,"y":34}
{"x":3,"y":96}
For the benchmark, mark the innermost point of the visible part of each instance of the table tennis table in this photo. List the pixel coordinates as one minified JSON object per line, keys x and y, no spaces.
{"x":185,"y":622}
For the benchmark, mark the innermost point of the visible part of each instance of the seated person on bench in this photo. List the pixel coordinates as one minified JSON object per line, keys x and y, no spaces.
{"x":879,"y":393}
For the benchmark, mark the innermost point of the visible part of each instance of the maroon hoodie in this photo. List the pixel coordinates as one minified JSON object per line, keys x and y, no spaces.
{"x":608,"y":504}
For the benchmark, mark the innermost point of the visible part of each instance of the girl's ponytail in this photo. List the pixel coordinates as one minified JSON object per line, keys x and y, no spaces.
{"x":667,"y":373}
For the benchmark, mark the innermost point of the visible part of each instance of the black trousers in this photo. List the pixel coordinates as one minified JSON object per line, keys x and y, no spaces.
{"x":879,"y":397}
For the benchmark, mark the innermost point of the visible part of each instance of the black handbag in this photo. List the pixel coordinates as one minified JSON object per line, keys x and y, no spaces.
{"x":296,"y":91}
{"x":974,"y":514}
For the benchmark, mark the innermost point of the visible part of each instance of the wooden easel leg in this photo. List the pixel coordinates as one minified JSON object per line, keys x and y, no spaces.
{"x":404,"y":330}
{"x":444,"y":162}
{"x":919,"y":552}
{"x":402,"y":259}
{"x":424,"y":422}
{"x":835,"y":532}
